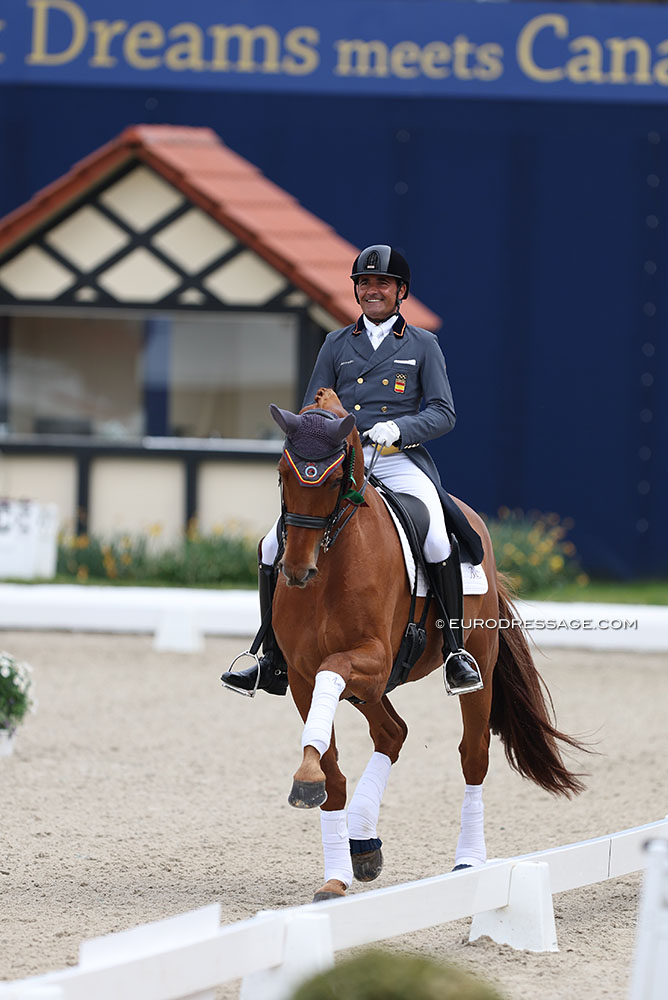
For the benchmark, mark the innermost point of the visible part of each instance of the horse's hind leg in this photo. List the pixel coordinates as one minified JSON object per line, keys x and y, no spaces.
{"x":388,"y":731}
{"x":471,"y":850}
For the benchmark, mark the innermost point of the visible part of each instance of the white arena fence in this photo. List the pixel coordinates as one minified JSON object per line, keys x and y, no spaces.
{"x":179,"y":618}
{"x":510,"y":900}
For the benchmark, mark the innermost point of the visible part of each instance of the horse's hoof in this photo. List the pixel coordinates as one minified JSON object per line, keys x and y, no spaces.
{"x":307,"y":794}
{"x":460,"y":868}
{"x":330,"y":890}
{"x":368,"y":866}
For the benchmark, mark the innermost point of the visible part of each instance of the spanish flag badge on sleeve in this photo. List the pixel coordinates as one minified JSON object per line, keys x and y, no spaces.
{"x":400,"y":382}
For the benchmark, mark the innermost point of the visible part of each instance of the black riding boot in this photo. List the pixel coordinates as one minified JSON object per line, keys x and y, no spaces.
{"x":460,"y":670}
{"x":273,"y":671}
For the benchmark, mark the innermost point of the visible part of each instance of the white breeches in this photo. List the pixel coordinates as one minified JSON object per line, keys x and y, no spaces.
{"x":400,"y":474}
{"x":403,"y":476}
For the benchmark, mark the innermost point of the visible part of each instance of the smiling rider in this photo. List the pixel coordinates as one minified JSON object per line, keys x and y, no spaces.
{"x":382,"y":369}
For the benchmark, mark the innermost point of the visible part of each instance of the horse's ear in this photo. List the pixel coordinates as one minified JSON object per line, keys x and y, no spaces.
{"x":286,"y":420}
{"x":346,"y":424}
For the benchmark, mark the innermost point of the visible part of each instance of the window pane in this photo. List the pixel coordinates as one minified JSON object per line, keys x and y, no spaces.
{"x":226,"y":369}
{"x":75,"y":375}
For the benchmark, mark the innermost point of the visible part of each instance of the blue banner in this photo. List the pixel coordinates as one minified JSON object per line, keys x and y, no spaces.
{"x":419,"y":48}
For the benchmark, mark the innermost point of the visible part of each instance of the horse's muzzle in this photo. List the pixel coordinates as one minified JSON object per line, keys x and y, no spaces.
{"x":298,"y":576}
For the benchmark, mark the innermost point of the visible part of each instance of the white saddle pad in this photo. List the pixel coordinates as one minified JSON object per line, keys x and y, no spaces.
{"x":474,"y":579}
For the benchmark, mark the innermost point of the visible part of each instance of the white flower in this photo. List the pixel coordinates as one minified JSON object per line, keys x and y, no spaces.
{"x":4,"y":671}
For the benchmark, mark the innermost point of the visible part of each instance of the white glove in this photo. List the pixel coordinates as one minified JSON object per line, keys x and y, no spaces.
{"x":384,"y":433}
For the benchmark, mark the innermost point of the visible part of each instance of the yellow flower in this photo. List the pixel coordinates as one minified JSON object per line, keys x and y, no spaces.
{"x":582,"y":580}
{"x":126,"y":558}
{"x":569,"y":548}
{"x":556,"y":563}
{"x":154,"y":530}
{"x":508,"y":549}
{"x":520,"y":558}
{"x":82,"y":574}
{"x":82,"y":542}
{"x":534,"y":559}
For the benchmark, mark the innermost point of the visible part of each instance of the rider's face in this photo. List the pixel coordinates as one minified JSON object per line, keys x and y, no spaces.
{"x":378,"y":296}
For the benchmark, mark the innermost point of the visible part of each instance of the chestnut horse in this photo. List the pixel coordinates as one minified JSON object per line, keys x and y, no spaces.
{"x":340,"y":611}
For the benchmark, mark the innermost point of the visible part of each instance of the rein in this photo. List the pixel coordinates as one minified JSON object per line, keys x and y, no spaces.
{"x":346,"y":492}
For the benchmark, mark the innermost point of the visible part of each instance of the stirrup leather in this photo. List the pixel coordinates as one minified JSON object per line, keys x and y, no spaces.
{"x":230,"y":687}
{"x":462,"y":690}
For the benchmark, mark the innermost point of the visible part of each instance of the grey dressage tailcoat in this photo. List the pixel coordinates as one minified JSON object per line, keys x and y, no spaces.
{"x":390,"y":383}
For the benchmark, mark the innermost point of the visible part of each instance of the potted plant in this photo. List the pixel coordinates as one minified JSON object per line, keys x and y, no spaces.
{"x":15,"y":698}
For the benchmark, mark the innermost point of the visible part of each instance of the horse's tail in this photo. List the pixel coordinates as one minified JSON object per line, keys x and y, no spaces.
{"x":522,"y":712}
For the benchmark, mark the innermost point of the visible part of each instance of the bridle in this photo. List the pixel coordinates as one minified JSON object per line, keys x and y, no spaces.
{"x":328,"y":524}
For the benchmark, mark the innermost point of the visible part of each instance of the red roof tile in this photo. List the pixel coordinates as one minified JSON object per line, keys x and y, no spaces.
{"x":234,"y":192}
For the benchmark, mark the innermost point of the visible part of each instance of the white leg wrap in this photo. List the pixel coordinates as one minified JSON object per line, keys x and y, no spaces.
{"x":326,"y":693}
{"x":365,"y":803}
{"x":335,"y":846}
{"x":471,"y":848}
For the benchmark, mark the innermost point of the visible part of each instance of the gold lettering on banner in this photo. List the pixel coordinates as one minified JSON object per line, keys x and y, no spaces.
{"x":404,"y":60}
{"x":39,"y":54}
{"x":142,"y":37}
{"x":358,"y":58}
{"x":302,"y":55}
{"x":263,"y":41}
{"x":490,"y":61}
{"x":435,"y":59}
{"x":463,"y":49}
{"x":525,"y":44}
{"x":620,"y":48}
{"x":105,"y":32}
{"x":587,"y":66}
{"x":186,"y":54}
{"x":407,"y":60}
{"x":661,"y":68}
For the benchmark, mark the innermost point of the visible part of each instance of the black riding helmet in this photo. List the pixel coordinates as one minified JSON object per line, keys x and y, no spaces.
{"x":381,"y":259}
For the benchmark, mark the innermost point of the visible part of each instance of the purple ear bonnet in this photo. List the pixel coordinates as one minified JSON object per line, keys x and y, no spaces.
{"x":314,"y":434}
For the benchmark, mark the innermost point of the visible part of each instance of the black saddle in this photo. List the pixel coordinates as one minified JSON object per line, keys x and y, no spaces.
{"x":412,"y":515}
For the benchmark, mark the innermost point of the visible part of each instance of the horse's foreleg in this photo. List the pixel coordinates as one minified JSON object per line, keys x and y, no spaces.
{"x":308,"y":789}
{"x":334,"y":830}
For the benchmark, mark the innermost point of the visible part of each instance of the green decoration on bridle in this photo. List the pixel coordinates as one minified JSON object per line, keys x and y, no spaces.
{"x":353,"y":495}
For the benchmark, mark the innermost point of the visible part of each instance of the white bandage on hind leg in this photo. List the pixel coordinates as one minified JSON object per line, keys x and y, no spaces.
{"x":335,"y":846}
{"x":471,"y":848}
{"x":365,"y":803}
{"x":318,"y":728}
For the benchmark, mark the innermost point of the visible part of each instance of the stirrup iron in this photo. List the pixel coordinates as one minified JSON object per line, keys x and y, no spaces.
{"x":472,"y":660}
{"x":230,"y":687}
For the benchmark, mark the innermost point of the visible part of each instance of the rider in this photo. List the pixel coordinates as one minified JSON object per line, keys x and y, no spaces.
{"x":381,"y":369}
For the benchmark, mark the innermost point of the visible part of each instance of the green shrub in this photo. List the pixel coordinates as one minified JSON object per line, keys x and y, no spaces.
{"x":378,"y":975}
{"x":195,"y":560}
{"x":533,"y":551}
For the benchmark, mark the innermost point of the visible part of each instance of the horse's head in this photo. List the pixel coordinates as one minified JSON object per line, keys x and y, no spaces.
{"x":319,"y":465}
